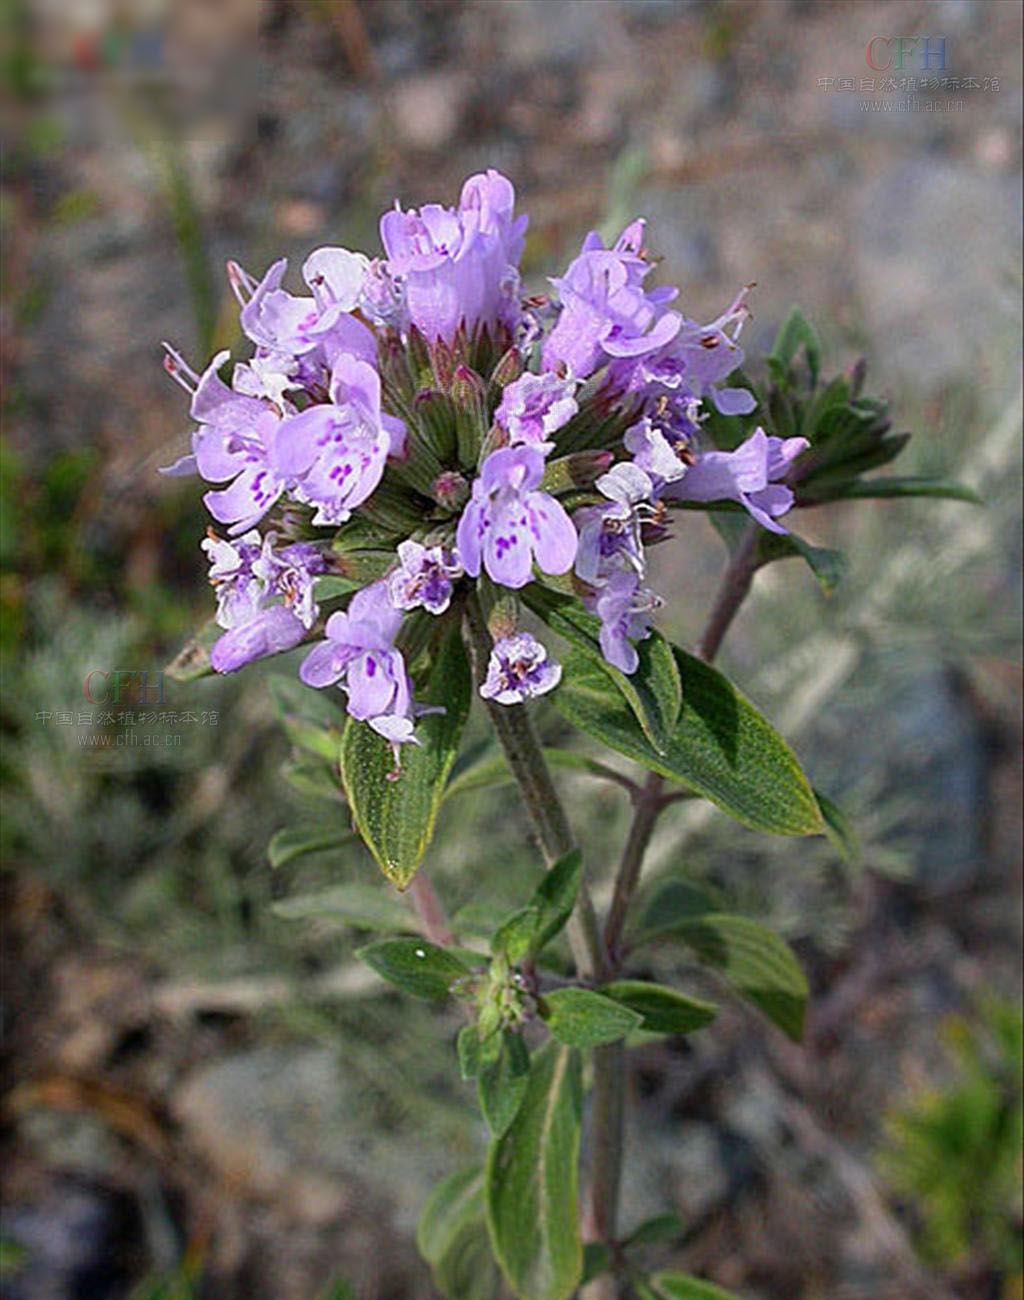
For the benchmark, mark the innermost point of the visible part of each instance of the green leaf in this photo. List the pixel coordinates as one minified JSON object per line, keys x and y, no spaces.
{"x":294,"y":699}
{"x":468,"y":1271}
{"x":666,"y":906}
{"x":908,"y":487}
{"x":653,"y":692}
{"x":513,"y":937}
{"x":758,"y":964}
{"x":597,"y":1259}
{"x":555,"y":897}
{"x":467,"y":1048}
{"x":660,"y":1227}
{"x":530,"y":1187}
{"x":580,"y":1018}
{"x":502,"y":1084}
{"x":664,"y":1011}
{"x":455,"y":1201}
{"x":313,"y":779}
{"x":797,"y":330}
{"x":331,"y":585}
{"x":681,"y":1286}
{"x":827,"y":566}
{"x":365,"y":906}
{"x":296,"y":841}
{"x":415,"y":966}
{"x":396,"y":817}
{"x":524,"y":933}
{"x":452,"y":1239}
{"x":839,"y":829}
{"x":193,"y":660}
{"x":721,"y":747}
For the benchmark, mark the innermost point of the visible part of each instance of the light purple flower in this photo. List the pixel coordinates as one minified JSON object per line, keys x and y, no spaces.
{"x":609,"y":536}
{"x":264,"y":596}
{"x":235,"y":440}
{"x":508,"y":523}
{"x":749,"y":475}
{"x":299,"y":339}
{"x":274,"y":630}
{"x":518,"y":669}
{"x":606,"y":312}
{"x":624,"y":608}
{"x":335,"y":452}
{"x":693,"y":366}
{"x":535,"y":406}
{"x":424,"y":577}
{"x":654,"y":452}
{"x":458,"y":266}
{"x":359,"y":651}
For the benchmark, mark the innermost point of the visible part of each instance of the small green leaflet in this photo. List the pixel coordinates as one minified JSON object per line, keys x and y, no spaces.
{"x":722,"y":747}
{"x":664,"y":1011}
{"x":530,"y":1188}
{"x":839,"y":829}
{"x":310,"y":718}
{"x":660,"y":1227}
{"x":452,"y":1239}
{"x":415,"y":966}
{"x":796,"y":331}
{"x":502,"y":1083}
{"x":296,"y":841}
{"x":828,"y":566}
{"x":653,"y":692}
{"x":525,"y":932}
{"x":754,"y":961}
{"x":681,"y":1286}
{"x":368,"y":907}
{"x":580,"y":1018}
{"x":944,"y":488}
{"x":665,"y":906}
{"x":396,"y":817}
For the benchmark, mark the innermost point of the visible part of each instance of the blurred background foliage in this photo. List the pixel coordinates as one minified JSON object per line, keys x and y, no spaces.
{"x":204,"y":1098}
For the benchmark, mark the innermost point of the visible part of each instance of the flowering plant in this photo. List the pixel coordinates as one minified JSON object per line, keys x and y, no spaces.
{"x":429,"y":478}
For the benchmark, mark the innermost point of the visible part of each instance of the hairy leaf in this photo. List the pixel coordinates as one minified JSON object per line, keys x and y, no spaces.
{"x":365,"y":906}
{"x":722,"y":747}
{"x":653,"y":692}
{"x":758,"y":964}
{"x":502,"y":1083}
{"x":664,"y":1011}
{"x":531,"y":1182}
{"x":580,"y":1018}
{"x":396,"y":817}
{"x":415,"y":966}
{"x":681,"y":1286}
{"x":296,"y":841}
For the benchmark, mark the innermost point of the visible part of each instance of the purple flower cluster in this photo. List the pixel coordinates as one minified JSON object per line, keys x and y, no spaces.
{"x":265,"y":596}
{"x":413,"y":409}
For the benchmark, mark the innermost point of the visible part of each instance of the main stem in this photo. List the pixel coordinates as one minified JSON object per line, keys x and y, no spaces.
{"x":609,"y":1118}
{"x":526,"y":762}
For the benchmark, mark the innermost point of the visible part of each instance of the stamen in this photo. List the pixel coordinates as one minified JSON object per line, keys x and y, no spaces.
{"x":243,"y":286}
{"x":179,"y":370}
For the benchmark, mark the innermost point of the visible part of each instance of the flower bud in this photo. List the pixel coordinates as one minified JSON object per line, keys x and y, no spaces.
{"x":450,"y":490}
